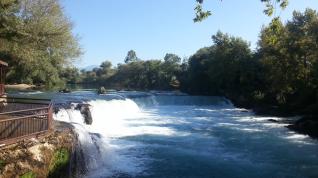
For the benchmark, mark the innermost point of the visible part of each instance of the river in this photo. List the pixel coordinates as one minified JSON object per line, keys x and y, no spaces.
{"x":162,"y":134}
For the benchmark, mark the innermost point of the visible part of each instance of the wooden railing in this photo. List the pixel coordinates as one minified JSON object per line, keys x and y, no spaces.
{"x":17,"y":124}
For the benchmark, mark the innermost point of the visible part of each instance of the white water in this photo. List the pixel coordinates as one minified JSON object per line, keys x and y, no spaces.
{"x":99,"y":141}
{"x":171,"y":139}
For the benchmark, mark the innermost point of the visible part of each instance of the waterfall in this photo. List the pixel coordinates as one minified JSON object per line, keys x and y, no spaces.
{"x":152,"y":135}
{"x":103,"y":154}
{"x":161,"y":100}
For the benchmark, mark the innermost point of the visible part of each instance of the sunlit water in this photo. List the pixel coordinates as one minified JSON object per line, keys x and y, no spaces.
{"x":162,"y":135}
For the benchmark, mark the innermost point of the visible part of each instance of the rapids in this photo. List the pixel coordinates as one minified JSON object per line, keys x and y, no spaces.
{"x":138,"y":134}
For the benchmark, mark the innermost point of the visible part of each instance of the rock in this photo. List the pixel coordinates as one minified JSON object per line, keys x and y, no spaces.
{"x":85,"y":111}
{"x":65,"y":90}
{"x":102,"y":90}
{"x":28,"y":156}
{"x":272,"y":120}
{"x":59,"y":106}
{"x":306,"y":125}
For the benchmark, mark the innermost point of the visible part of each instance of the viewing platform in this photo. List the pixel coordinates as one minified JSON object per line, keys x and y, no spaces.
{"x":22,"y":118}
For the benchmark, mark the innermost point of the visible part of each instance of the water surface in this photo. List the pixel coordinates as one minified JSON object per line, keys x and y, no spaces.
{"x":140,"y":134}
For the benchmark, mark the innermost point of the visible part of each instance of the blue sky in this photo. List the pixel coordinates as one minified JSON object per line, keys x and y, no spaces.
{"x":108,"y":29}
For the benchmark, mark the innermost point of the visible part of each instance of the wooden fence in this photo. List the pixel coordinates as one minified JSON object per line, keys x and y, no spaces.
{"x":24,"y":118}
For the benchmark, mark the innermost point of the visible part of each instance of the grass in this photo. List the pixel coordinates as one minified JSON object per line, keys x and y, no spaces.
{"x":59,"y":163}
{"x":28,"y":175}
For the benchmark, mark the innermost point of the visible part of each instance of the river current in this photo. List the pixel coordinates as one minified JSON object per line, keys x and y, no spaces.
{"x":169,"y":135}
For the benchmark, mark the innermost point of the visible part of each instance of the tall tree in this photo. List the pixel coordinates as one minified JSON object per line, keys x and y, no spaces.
{"x":131,"y":57}
{"x":289,"y":55}
{"x":226,"y":68}
{"x":36,"y":39}
{"x":171,"y":68}
{"x":105,"y":71}
{"x":172,"y":58}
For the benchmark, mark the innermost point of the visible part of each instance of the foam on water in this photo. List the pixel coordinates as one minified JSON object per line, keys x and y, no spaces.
{"x":101,"y":142}
{"x":31,"y":92}
{"x":180,"y":138}
{"x":105,"y":156}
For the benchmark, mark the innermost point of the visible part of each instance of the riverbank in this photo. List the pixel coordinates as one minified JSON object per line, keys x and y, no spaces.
{"x":306,"y":123}
{"x":20,"y":87}
{"x":305,"y":120}
{"x":48,"y":156}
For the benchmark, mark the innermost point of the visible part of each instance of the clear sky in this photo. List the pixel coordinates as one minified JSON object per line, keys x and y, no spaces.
{"x":108,"y":29}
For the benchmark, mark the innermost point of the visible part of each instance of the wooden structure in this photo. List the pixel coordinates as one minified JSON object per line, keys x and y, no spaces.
{"x":3,"y":67}
{"x":22,"y":118}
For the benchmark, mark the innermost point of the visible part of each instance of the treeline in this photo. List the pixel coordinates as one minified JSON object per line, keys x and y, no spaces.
{"x":281,"y":73}
{"x":135,"y":74}
{"x":36,"y":40}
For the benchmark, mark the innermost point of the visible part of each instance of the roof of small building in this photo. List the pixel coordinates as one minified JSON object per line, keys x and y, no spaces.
{"x":3,"y":63}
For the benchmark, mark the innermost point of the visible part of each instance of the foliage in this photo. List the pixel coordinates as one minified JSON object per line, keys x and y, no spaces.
{"x":226,"y":68}
{"x":59,"y":162}
{"x":36,"y":40}
{"x":172,"y":58}
{"x":281,"y":73}
{"x":28,"y":175}
{"x":97,"y":75}
{"x":200,"y":14}
{"x":137,"y":74}
{"x":289,"y":56}
{"x":131,"y":57}
{"x":270,"y":5}
{"x":70,"y":75}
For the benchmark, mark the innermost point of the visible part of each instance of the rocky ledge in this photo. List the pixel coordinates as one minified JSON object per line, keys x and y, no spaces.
{"x":48,"y":156}
{"x":306,"y":125}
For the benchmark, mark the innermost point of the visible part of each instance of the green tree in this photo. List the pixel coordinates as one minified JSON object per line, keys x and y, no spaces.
{"x":289,"y":55}
{"x":70,"y":75}
{"x":131,"y":57}
{"x":172,"y":58}
{"x":226,"y":68}
{"x":105,"y":72}
{"x":153,"y":74}
{"x":130,"y":75}
{"x":36,"y":40}
{"x":171,"y":69}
